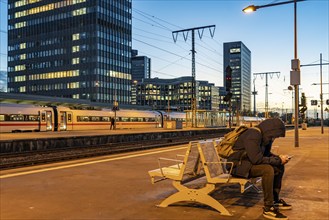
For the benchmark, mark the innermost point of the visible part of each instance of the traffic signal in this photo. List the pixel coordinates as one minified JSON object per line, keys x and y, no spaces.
{"x":327,"y":101}
{"x":228,"y":97}
{"x":228,"y":78}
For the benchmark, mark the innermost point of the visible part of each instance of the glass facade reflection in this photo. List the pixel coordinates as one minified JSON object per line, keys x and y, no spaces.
{"x":176,"y":94}
{"x":71,"y":48}
{"x":238,"y":56}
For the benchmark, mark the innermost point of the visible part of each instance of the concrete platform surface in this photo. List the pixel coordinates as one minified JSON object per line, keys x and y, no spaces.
{"x":118,"y":187}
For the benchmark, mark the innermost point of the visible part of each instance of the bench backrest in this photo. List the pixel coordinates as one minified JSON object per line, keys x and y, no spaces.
{"x":212,"y":163}
{"x":191,"y":166}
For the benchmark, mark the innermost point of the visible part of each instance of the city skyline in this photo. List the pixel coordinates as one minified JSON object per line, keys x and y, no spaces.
{"x":268,"y":33}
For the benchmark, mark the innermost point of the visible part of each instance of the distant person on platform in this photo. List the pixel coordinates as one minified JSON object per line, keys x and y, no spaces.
{"x":112,"y":127}
{"x":254,"y":159}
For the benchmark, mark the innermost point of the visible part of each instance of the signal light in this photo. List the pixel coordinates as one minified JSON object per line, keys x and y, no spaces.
{"x":228,"y":78}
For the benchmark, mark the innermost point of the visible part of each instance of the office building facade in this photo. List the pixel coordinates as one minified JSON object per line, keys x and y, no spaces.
{"x":140,"y":66}
{"x":74,"y":49}
{"x":238,"y":57}
{"x":175,"y":94}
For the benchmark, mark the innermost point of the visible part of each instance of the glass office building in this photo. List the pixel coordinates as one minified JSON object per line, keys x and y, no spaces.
{"x":70,"y":48}
{"x":176,"y":94}
{"x":238,"y":57}
{"x":140,"y":67}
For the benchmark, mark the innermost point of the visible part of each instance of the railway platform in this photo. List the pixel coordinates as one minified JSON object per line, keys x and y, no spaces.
{"x":118,"y":187}
{"x":34,"y":141}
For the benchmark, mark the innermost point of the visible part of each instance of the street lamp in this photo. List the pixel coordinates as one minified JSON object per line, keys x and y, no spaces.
{"x":295,"y":63}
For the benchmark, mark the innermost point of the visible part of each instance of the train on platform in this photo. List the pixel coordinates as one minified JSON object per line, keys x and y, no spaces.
{"x":26,"y":117}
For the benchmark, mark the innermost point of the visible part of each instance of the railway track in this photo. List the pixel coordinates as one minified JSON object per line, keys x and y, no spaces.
{"x":18,"y":160}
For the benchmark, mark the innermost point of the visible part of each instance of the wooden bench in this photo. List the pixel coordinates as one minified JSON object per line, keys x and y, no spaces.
{"x":201,"y":160}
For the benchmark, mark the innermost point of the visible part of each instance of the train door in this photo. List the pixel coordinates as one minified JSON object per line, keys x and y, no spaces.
{"x":45,"y":123}
{"x":65,"y":121}
{"x":62,"y":121}
{"x":69,"y":123}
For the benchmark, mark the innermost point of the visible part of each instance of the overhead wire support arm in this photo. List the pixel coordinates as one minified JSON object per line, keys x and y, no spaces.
{"x":266,"y":87}
{"x":185,"y":35}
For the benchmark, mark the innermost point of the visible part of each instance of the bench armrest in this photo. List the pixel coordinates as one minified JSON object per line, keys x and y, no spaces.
{"x":180,"y":155}
{"x":168,"y":159}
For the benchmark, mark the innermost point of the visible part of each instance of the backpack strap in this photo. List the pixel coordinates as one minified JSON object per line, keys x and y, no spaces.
{"x":257,"y":128}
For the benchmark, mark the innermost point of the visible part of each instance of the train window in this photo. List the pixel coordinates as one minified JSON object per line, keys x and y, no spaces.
{"x":95,"y":118}
{"x":16,"y":118}
{"x":105,"y":118}
{"x":125,"y":119}
{"x":32,"y":118}
{"x":69,"y":117}
{"x":134,"y":119}
{"x":150,"y":119}
{"x":82,"y":118}
{"x":2,"y":117}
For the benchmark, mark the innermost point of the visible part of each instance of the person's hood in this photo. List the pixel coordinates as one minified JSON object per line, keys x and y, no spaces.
{"x":271,"y":128}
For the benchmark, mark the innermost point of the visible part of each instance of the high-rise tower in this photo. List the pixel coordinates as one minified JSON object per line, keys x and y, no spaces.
{"x":238,"y":57}
{"x":70,"y":48}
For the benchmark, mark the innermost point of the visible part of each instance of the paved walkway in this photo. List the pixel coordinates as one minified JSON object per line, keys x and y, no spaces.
{"x":118,"y":187}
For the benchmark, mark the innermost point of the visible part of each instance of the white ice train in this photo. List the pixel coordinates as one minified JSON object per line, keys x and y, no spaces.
{"x":23,"y":117}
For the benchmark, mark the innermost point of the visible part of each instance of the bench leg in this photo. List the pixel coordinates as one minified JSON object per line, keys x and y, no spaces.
{"x":202,"y":196}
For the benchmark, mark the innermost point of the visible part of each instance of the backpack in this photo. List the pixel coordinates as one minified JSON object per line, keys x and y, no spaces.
{"x":224,"y":147}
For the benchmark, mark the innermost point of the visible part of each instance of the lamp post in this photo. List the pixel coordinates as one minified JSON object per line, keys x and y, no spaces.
{"x":295,"y":63}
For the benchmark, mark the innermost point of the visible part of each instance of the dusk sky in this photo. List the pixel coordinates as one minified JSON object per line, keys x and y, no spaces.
{"x":268,"y":33}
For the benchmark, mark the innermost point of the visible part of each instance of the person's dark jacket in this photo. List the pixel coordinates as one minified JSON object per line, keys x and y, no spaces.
{"x":254,"y":147}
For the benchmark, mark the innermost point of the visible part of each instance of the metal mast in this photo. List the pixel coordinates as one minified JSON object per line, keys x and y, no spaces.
{"x":185,"y":35}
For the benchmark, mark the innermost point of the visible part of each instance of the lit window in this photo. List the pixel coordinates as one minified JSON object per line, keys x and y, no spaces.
{"x":78,"y":12}
{"x":20,"y":24}
{"x":22,"y":56}
{"x":78,"y":1}
{"x":235,"y":50}
{"x":22,"y":46}
{"x":75,"y":61}
{"x":75,"y":49}
{"x":76,"y":36}
{"x":19,"y":67}
{"x":22,"y":89}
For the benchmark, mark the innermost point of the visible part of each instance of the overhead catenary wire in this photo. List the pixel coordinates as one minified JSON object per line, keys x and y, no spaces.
{"x":171,"y":53}
{"x":209,"y":59}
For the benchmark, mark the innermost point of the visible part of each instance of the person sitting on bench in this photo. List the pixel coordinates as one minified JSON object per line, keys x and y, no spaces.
{"x":253,"y":158}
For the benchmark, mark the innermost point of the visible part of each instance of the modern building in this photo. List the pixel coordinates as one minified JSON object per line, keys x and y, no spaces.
{"x":176,"y":94}
{"x":3,"y":46}
{"x":140,"y":67}
{"x":73,"y":49}
{"x":3,"y":81}
{"x":238,"y":57}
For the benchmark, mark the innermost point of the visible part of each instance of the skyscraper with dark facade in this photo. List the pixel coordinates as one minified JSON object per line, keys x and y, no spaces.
{"x":141,"y":66}
{"x":70,"y":48}
{"x":238,"y":57}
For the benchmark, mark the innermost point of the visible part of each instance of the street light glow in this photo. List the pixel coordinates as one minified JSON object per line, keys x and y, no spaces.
{"x":249,"y":9}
